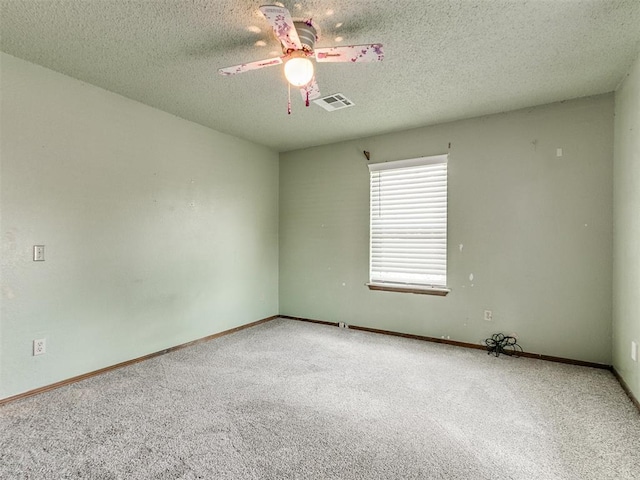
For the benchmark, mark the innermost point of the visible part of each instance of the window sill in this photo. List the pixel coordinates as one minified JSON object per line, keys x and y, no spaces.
{"x":418,"y":289}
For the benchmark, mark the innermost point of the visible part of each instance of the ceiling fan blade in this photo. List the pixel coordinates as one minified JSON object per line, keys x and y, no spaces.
{"x":311,"y":88}
{"x":351,"y":53}
{"x":245,"y":67}
{"x":282,"y":24}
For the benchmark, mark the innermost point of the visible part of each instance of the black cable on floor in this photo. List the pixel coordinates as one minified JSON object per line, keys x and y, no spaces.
{"x":500,"y":343}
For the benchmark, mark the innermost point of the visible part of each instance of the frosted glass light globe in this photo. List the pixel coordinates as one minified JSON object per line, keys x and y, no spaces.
{"x":298,"y":71}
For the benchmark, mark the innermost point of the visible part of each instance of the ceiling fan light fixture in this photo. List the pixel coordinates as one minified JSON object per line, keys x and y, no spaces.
{"x":298,"y":71}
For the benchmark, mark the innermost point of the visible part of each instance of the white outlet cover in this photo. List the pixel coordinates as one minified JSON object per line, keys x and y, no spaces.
{"x":39,"y":346}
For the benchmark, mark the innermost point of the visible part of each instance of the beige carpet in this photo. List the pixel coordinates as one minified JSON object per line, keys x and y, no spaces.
{"x":288,"y":399}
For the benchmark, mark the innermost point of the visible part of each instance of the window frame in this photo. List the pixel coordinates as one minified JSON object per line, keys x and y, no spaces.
{"x":399,"y":286}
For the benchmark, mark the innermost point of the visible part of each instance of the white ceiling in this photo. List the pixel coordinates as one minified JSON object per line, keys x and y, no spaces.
{"x":445,"y":60}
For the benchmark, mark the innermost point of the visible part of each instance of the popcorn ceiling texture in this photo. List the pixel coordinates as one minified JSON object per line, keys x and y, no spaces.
{"x":444,"y":60}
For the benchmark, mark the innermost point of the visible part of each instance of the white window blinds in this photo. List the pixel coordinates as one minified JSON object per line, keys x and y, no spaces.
{"x":408,"y":208}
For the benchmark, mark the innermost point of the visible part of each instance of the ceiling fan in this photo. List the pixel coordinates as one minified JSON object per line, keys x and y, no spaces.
{"x":297,"y":39}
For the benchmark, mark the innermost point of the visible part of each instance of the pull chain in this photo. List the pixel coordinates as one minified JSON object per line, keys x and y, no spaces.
{"x":289,"y":101}
{"x":307,"y":102}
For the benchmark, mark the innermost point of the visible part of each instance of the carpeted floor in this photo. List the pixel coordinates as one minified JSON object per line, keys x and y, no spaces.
{"x":294,"y":400}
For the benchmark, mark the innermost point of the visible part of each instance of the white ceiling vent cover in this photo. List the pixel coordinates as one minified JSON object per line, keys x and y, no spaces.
{"x":333,"y":102}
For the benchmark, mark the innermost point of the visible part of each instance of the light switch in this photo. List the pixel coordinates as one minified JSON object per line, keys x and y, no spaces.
{"x":38,"y":253}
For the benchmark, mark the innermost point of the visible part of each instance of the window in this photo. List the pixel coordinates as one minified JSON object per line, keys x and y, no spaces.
{"x":408,"y":225}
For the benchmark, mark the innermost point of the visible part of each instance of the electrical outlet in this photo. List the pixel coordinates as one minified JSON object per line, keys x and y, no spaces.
{"x":343,"y":325}
{"x":634,"y":351}
{"x":39,"y":347}
{"x":488,"y":315}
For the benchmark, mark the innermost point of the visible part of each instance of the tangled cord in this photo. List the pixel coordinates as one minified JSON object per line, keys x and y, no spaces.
{"x":500,"y":343}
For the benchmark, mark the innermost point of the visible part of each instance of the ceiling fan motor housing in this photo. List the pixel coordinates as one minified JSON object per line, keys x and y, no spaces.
{"x":308,"y":35}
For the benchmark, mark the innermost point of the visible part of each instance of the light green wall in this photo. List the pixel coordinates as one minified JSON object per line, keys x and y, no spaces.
{"x":536,"y":230}
{"x":158,"y":231}
{"x":626,"y":220}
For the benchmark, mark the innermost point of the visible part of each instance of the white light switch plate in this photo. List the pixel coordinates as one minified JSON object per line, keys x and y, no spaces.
{"x":38,"y":253}
{"x":634,"y":351}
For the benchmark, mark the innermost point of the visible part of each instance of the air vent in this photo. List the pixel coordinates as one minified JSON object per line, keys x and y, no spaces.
{"x":333,"y":102}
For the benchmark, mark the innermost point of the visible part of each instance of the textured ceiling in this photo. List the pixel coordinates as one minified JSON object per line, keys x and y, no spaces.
{"x":445,"y":60}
